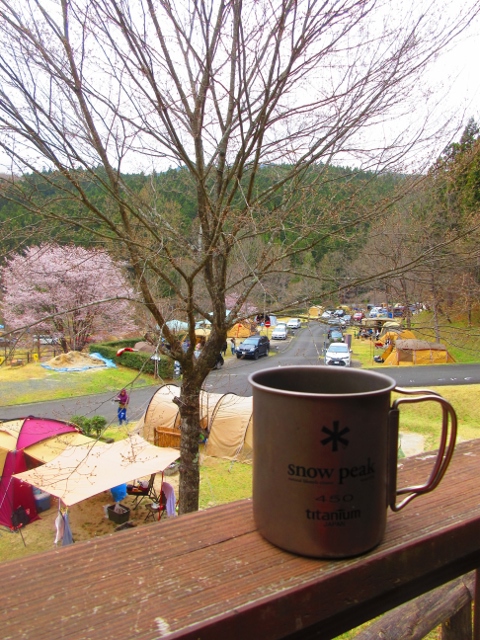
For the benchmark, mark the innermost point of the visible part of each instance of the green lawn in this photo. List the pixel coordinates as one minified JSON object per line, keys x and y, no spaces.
{"x":31,"y":383}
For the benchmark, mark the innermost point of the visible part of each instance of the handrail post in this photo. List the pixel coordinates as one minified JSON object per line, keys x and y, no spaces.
{"x":476,"y":607}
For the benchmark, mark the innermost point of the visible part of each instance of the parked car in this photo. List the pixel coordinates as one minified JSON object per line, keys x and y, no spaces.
{"x":347,"y":318}
{"x":339,"y":313}
{"x":335,"y":335}
{"x":358,"y":316}
{"x":294,"y":323}
{"x":253,"y":347}
{"x":339,"y":321}
{"x":280,"y":332}
{"x":338,"y":354}
{"x":46,"y":339}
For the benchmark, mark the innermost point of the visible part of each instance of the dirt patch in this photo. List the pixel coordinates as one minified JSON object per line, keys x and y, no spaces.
{"x":74,"y":359}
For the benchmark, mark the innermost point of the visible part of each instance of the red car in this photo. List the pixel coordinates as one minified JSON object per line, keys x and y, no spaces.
{"x":359,"y":315}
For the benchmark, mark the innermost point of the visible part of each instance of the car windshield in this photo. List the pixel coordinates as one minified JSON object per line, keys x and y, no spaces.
{"x":250,"y":341}
{"x":339,"y":348}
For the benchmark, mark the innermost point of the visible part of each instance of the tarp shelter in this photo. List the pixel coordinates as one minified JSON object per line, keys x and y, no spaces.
{"x":418,"y":352}
{"x":227,"y":418}
{"x":177,"y":326}
{"x":81,"y":472}
{"x":27,"y":442}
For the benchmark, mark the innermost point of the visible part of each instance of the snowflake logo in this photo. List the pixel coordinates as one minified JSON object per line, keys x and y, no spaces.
{"x":335,"y":436}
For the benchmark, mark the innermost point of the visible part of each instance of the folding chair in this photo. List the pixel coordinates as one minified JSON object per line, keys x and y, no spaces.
{"x":140,"y":493}
{"x":168,"y":504}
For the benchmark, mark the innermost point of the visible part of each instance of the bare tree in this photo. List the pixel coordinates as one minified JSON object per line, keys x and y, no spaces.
{"x":249,"y":101}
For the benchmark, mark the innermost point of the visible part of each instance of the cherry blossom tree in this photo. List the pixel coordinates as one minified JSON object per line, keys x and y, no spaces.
{"x":70,"y":292}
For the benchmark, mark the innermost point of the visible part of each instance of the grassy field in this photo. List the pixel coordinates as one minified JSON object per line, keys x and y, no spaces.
{"x":31,"y":383}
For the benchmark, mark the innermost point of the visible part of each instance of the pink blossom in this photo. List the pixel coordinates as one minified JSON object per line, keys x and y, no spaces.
{"x":60,"y":281}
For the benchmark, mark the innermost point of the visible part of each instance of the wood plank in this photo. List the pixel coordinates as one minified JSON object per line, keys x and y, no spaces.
{"x":211,"y":575}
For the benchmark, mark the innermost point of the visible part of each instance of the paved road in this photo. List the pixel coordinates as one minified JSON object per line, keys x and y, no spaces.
{"x":303,"y":348}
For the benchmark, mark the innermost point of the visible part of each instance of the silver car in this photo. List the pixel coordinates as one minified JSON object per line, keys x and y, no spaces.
{"x":294,"y":323}
{"x":280,"y":333}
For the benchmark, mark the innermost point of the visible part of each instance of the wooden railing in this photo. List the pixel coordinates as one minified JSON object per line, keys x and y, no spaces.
{"x":210,"y":575}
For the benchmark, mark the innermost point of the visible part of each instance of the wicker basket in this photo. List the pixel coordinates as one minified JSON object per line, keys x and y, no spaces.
{"x":167,"y":438}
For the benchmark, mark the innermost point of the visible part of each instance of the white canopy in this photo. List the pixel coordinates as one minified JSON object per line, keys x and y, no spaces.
{"x":81,"y":472}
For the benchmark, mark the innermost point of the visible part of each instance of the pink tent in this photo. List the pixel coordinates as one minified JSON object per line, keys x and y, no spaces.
{"x":17,"y":440}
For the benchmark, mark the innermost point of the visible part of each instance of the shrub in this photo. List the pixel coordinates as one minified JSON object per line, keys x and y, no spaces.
{"x":134,"y":359}
{"x":92,"y":427}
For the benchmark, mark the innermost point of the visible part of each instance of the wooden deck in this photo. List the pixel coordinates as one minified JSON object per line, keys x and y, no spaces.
{"x":210,"y":575}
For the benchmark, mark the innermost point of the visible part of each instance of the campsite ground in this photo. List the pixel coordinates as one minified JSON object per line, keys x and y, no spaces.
{"x":221,"y":481}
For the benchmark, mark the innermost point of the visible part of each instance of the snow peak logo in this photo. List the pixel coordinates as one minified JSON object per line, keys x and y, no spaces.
{"x":335,"y":436}
{"x":319,"y":474}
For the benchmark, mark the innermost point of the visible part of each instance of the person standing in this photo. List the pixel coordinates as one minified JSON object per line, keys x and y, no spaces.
{"x":232,"y":346}
{"x":123,"y":400}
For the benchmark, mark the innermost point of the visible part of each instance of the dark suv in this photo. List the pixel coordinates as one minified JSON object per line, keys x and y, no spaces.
{"x":253,"y":347}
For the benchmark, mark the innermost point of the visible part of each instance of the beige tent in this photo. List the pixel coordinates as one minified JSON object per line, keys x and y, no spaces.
{"x":418,"y":352}
{"x":241,"y":330}
{"x":227,"y":418}
{"x":81,"y":472}
{"x":315,"y":311}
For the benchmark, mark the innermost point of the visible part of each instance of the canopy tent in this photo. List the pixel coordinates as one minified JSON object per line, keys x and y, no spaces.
{"x":391,"y":324}
{"x":227,"y":418}
{"x":418,"y":352}
{"x":25,"y":442}
{"x":81,"y":472}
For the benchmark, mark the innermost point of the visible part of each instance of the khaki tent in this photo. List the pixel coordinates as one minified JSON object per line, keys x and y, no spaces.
{"x":80,"y":472}
{"x":227,"y":418}
{"x":241,"y":329}
{"x":418,"y":352}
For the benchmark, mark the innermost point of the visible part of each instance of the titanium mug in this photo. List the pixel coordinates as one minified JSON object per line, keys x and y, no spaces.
{"x":325,"y":446}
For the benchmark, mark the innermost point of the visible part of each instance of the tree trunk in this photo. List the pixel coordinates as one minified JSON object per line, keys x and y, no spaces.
{"x":189,"y":489}
{"x":433,"y":289}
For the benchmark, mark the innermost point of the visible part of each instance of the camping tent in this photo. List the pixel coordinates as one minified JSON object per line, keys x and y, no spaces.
{"x":27,"y":442}
{"x":79,"y":473}
{"x":418,"y":352}
{"x":227,"y":418}
{"x":241,"y":329}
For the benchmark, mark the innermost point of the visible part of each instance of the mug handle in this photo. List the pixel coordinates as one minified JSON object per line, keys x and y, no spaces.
{"x":445,"y":450}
